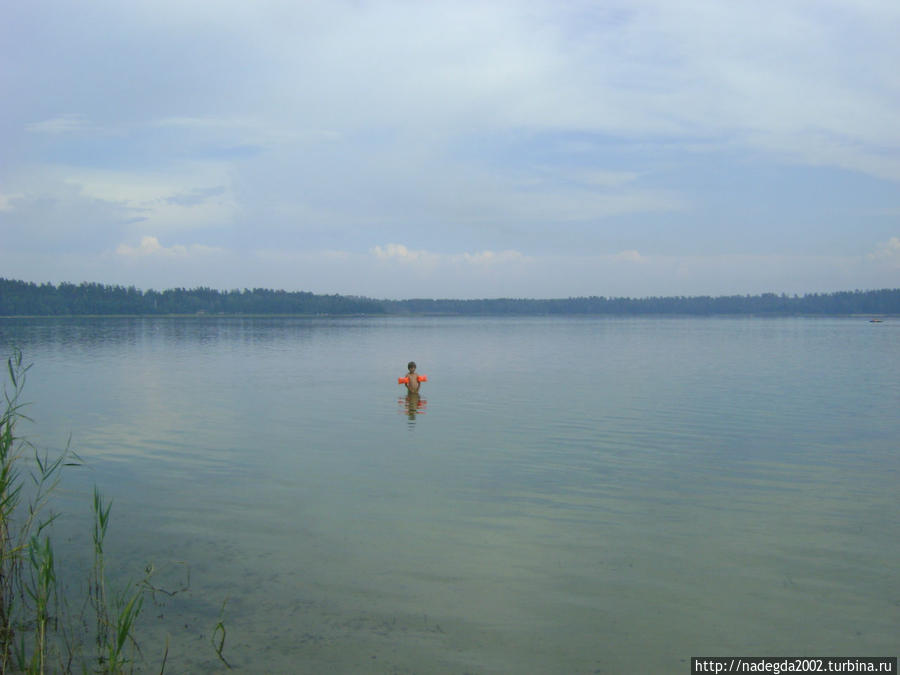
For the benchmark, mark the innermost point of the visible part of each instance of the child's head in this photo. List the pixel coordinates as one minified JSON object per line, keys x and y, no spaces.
{"x":411,"y":365}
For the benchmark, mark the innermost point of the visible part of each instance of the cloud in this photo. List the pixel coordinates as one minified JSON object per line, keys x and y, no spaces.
{"x":62,"y":124}
{"x":491,"y":257}
{"x":7,"y":200}
{"x":888,"y":251}
{"x":55,"y":215}
{"x":400,"y":253}
{"x":150,"y":247}
{"x":243,"y":131}
{"x":695,"y":70}
{"x":196,"y":196}
{"x":630,"y":256}
{"x":165,"y":199}
{"x":195,"y":123}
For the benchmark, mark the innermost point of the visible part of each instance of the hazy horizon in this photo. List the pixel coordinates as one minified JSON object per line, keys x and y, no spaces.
{"x":453,"y":150}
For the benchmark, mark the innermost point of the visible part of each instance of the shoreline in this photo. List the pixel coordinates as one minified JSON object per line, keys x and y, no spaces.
{"x":487,"y":315}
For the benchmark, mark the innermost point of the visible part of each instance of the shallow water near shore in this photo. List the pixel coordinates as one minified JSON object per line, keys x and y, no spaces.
{"x":571,"y":495}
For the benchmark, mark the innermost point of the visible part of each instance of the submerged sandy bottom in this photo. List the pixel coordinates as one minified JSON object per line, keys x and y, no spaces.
{"x":514,"y":584}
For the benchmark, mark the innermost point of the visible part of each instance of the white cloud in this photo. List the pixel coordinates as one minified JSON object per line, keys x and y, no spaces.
{"x":492,"y":257}
{"x":630,"y":256}
{"x":199,"y":122}
{"x":245,"y":130}
{"x":150,"y":247}
{"x":888,"y":251}
{"x":400,"y":253}
{"x":6,"y":200}
{"x":196,"y":196}
{"x":62,"y":124}
{"x":55,"y":215}
{"x":184,"y":197}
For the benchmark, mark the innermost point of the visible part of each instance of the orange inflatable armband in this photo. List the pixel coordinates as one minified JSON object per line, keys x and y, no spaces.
{"x":405,"y":380}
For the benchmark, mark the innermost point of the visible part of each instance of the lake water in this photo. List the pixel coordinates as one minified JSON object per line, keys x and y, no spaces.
{"x":571,"y":495}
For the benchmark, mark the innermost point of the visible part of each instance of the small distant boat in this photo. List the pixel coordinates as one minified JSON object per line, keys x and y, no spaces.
{"x":876,"y":320}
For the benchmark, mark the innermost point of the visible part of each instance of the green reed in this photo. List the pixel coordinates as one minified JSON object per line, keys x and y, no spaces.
{"x":114,"y":634}
{"x":36,"y":634}
{"x":28,"y":586}
{"x":98,"y":573}
{"x":41,"y":589}
{"x":32,"y":639}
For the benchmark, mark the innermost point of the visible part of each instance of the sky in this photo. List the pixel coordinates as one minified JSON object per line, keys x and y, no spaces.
{"x":522,"y":148}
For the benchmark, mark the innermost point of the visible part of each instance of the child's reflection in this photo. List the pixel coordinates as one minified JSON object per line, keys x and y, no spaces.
{"x":412,"y":405}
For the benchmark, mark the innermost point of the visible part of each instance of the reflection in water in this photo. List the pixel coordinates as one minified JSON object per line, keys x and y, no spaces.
{"x":411,"y":406}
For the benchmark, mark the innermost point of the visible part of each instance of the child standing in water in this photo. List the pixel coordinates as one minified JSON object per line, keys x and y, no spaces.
{"x":412,"y":380}
{"x":413,"y":403}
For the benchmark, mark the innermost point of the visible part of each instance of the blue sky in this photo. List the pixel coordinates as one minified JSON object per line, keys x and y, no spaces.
{"x":453,"y":149}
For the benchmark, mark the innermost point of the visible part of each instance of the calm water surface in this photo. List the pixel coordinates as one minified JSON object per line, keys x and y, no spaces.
{"x":569,"y":496}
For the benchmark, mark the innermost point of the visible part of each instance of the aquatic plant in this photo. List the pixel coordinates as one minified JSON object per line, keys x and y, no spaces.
{"x":34,"y":637}
{"x":28,"y":585}
{"x":218,"y":636}
{"x":36,"y":633}
{"x":114,"y":635}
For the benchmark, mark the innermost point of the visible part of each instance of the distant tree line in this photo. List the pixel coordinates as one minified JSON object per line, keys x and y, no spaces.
{"x":21,"y":298}
{"x":886,"y":301}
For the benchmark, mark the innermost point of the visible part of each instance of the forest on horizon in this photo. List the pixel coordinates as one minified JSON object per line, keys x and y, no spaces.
{"x":22,"y":298}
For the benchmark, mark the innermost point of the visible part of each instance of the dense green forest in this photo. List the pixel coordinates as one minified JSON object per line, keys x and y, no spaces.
{"x":850,"y":302}
{"x":21,"y":298}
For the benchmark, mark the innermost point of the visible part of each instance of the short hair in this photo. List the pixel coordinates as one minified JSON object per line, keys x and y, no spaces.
{"x":411,"y":365}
